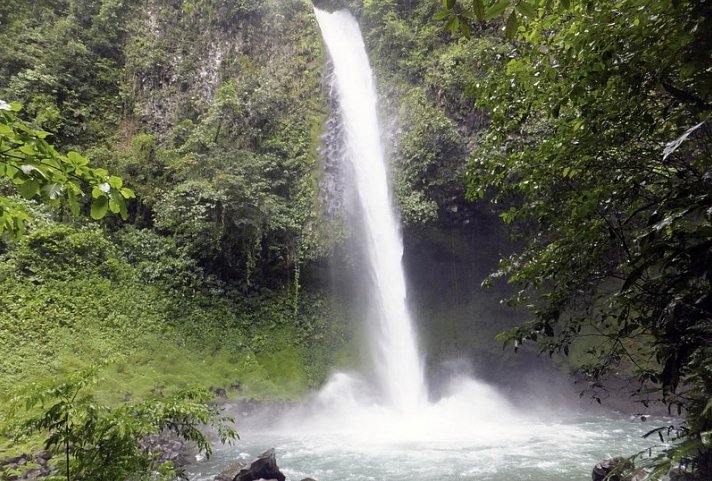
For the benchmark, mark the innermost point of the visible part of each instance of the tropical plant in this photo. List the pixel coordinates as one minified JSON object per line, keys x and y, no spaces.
{"x":100,"y":443}
{"x":37,"y":170}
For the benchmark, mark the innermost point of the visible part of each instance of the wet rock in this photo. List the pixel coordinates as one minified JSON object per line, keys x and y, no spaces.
{"x":639,"y":475}
{"x":229,"y":473}
{"x":264,"y":467}
{"x":26,"y":466}
{"x":679,"y":474}
{"x":169,"y":447}
{"x":44,"y":455}
{"x":219,"y":392}
{"x":620,"y":467}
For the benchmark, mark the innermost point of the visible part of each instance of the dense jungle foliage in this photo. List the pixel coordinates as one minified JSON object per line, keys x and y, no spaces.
{"x":599,"y":150}
{"x":197,"y":282}
{"x":583,"y":124}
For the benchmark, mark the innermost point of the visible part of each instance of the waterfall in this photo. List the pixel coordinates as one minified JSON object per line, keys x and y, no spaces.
{"x":398,"y":365}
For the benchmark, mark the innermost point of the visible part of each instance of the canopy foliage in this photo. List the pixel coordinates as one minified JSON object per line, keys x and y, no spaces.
{"x":599,"y":146}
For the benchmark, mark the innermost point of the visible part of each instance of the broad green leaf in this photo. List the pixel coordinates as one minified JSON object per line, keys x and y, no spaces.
{"x":510,"y":29}
{"x":113,"y":205}
{"x":128,"y":193}
{"x":122,"y":207}
{"x":99,"y":207}
{"x":496,"y":9}
{"x":72,"y":202}
{"x":28,"y":149}
{"x":116,"y":182}
{"x":29,"y":189}
{"x":478,"y":7}
{"x":441,"y":15}
{"x":526,"y":9}
{"x":77,"y":159}
{"x":465,"y":27}
{"x":453,"y":25}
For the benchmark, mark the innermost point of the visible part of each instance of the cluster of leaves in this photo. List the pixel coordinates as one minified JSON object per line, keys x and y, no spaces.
{"x":62,"y":60}
{"x":459,"y":16}
{"x":37,"y":170}
{"x":599,"y":144}
{"x":96,"y":442}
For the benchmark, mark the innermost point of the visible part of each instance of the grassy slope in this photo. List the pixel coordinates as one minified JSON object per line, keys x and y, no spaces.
{"x":72,"y":297}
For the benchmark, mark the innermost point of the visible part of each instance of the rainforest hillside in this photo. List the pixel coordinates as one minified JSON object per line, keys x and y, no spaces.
{"x":550,"y":162}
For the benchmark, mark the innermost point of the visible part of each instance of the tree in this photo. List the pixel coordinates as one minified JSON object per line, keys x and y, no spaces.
{"x":34,"y":169}
{"x":599,"y":145}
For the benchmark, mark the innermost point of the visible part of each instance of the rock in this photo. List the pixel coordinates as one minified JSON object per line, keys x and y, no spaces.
{"x":616,"y":465}
{"x":26,"y":466}
{"x":264,"y":467}
{"x":44,"y":455}
{"x":229,"y":473}
{"x":219,"y":392}
{"x":639,"y":475}
{"x":169,"y":447}
{"x":679,"y":474}
{"x":308,"y":479}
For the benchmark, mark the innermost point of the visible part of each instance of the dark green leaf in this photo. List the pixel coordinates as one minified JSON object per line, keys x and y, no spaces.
{"x":99,"y":207}
{"x":496,"y":9}
{"x":526,"y":9}
{"x":478,"y":8}
{"x":72,"y":202}
{"x":441,"y":15}
{"x":29,"y":189}
{"x":510,"y":29}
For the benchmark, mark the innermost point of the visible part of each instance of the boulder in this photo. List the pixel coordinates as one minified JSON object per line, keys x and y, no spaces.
{"x":264,"y":467}
{"x":26,"y":466}
{"x":229,"y":473}
{"x":679,"y":474}
{"x":169,"y":447}
{"x":620,"y":467}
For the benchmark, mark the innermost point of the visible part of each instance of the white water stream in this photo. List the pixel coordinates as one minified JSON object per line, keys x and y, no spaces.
{"x":386,"y":428}
{"x":398,"y":365}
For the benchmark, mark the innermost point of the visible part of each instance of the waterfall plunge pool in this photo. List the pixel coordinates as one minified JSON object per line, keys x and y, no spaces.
{"x":562,"y":450}
{"x":473,"y":433}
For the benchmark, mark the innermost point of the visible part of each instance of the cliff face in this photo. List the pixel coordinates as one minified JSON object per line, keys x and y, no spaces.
{"x":180,"y":53}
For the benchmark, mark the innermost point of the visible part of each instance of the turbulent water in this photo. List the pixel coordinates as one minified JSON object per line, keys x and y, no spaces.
{"x":383,"y":426}
{"x":537,"y":450}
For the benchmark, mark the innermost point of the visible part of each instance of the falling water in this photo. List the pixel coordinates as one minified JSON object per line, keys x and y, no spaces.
{"x":352,"y":430}
{"x":398,"y":365}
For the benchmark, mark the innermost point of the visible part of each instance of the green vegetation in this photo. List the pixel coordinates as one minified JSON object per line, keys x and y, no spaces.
{"x":73,"y":295}
{"x":586,"y":125}
{"x":100,"y":443}
{"x":599,"y":149}
{"x":30,"y":163}
{"x":201,"y":281}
